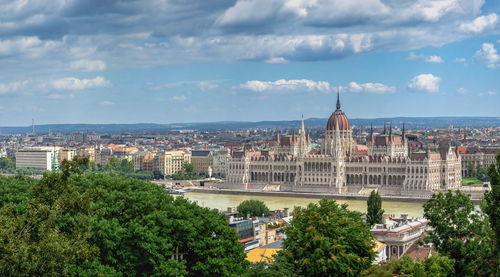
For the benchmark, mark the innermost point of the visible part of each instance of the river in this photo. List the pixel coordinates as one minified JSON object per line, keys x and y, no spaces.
{"x":223,"y":201}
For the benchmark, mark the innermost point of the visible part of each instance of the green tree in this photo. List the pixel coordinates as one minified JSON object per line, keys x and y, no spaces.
{"x":252,"y":208}
{"x":375,"y":213}
{"x":51,"y":236}
{"x":326,"y":239}
{"x":458,"y":231}
{"x":491,"y":206}
{"x":188,"y":168}
{"x":101,"y":224}
{"x":434,"y":266}
{"x":7,"y":164}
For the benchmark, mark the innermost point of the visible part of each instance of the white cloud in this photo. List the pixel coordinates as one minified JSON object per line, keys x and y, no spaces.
{"x":71,"y":83}
{"x":427,"y":59}
{"x":460,"y":60}
{"x":88,"y":65}
{"x":203,"y":85}
{"x":276,"y":60}
{"x":106,"y":103}
{"x":286,"y":85}
{"x":479,"y":24}
{"x":370,"y":88}
{"x":462,"y":91}
{"x":12,"y":87}
{"x":425,"y":82}
{"x":320,"y":86}
{"x":178,"y":98}
{"x":491,"y":92}
{"x":488,"y":55}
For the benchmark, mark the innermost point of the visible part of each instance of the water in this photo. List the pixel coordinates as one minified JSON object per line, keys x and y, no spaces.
{"x":223,"y":201}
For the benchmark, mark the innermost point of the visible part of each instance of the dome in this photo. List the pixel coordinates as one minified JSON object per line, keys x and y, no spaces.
{"x":338,"y":117}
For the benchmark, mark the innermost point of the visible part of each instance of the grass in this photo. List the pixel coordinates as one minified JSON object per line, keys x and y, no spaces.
{"x":471,"y":182}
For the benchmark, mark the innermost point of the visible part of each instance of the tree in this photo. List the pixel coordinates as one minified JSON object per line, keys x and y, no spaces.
{"x":434,"y":266}
{"x":7,"y":164}
{"x":252,"y":208}
{"x":101,"y":224}
{"x":50,"y":237}
{"x":375,"y":213}
{"x":491,"y":206}
{"x":188,"y":168}
{"x":458,"y":231}
{"x":326,"y":239}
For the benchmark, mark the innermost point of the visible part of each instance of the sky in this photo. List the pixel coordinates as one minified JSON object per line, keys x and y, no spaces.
{"x":167,"y":61}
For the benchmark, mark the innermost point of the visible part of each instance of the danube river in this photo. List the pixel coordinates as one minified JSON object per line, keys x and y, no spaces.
{"x":223,"y":201}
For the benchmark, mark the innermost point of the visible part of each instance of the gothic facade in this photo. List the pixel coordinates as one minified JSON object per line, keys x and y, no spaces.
{"x":388,"y":165}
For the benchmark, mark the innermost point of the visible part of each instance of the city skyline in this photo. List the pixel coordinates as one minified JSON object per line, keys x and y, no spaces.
{"x":93,"y":62}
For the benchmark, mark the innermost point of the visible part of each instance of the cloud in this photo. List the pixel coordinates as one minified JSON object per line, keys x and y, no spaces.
{"x":488,"y":55}
{"x":427,"y":59}
{"x":106,"y":103}
{"x":58,"y":96}
{"x":178,"y":98}
{"x":204,"y":85}
{"x":154,"y":33}
{"x":318,"y":86}
{"x":460,"y":60}
{"x":276,"y":60}
{"x":71,"y":83}
{"x":479,"y":24}
{"x":88,"y":65}
{"x":425,"y":82}
{"x":286,"y":85}
{"x":377,"y":88}
{"x":12,"y":87}
{"x":462,"y":91}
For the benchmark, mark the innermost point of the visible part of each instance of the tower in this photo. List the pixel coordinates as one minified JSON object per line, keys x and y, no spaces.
{"x":338,"y":127}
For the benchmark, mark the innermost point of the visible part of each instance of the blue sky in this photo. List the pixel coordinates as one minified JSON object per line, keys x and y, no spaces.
{"x":164,"y":61}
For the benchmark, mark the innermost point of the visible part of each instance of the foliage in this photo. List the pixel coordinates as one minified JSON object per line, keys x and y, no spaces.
{"x":51,"y":237}
{"x":186,"y":174}
{"x":326,"y":239}
{"x":280,"y":268}
{"x":491,"y":206}
{"x":375,"y":213}
{"x":252,"y":208}
{"x":434,"y":266}
{"x":101,"y":224}
{"x":16,"y":191}
{"x":471,"y":182}
{"x":458,"y":231}
{"x":7,"y":163}
{"x":120,"y":165}
{"x":483,"y":174}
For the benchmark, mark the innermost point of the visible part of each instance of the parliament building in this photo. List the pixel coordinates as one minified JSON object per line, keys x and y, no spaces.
{"x":338,"y":166}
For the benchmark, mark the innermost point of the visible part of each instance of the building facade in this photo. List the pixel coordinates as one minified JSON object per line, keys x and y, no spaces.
{"x":337,"y":167}
{"x":41,"y":158}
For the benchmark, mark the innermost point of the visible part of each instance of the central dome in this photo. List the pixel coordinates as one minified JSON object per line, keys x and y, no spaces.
{"x":338,"y":117}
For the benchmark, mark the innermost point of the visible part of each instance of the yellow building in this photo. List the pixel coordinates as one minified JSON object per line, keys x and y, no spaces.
{"x":171,"y":162}
{"x":264,"y":254}
{"x":201,"y":160}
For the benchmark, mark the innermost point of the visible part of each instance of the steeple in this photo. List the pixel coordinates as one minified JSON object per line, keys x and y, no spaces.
{"x":338,"y":99}
{"x":385,"y":129}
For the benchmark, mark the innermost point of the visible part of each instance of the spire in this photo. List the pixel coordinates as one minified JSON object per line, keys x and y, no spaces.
{"x":385,"y":129}
{"x":371,"y":132}
{"x":338,"y":99}
{"x":303,"y":129}
{"x":390,"y":131}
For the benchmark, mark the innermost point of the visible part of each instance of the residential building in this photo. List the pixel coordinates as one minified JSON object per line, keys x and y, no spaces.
{"x":201,"y":160}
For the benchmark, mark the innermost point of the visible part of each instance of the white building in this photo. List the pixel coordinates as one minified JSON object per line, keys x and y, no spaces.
{"x":42,"y":158}
{"x":221,"y":162}
{"x":338,"y":168}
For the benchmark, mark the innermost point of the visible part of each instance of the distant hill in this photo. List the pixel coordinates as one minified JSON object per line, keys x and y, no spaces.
{"x":433,"y":122}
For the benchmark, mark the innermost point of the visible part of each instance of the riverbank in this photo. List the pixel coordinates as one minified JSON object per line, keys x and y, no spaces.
{"x":390,"y":198}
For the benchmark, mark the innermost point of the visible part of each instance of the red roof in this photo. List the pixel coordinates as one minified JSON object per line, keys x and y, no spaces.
{"x":338,"y":117}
